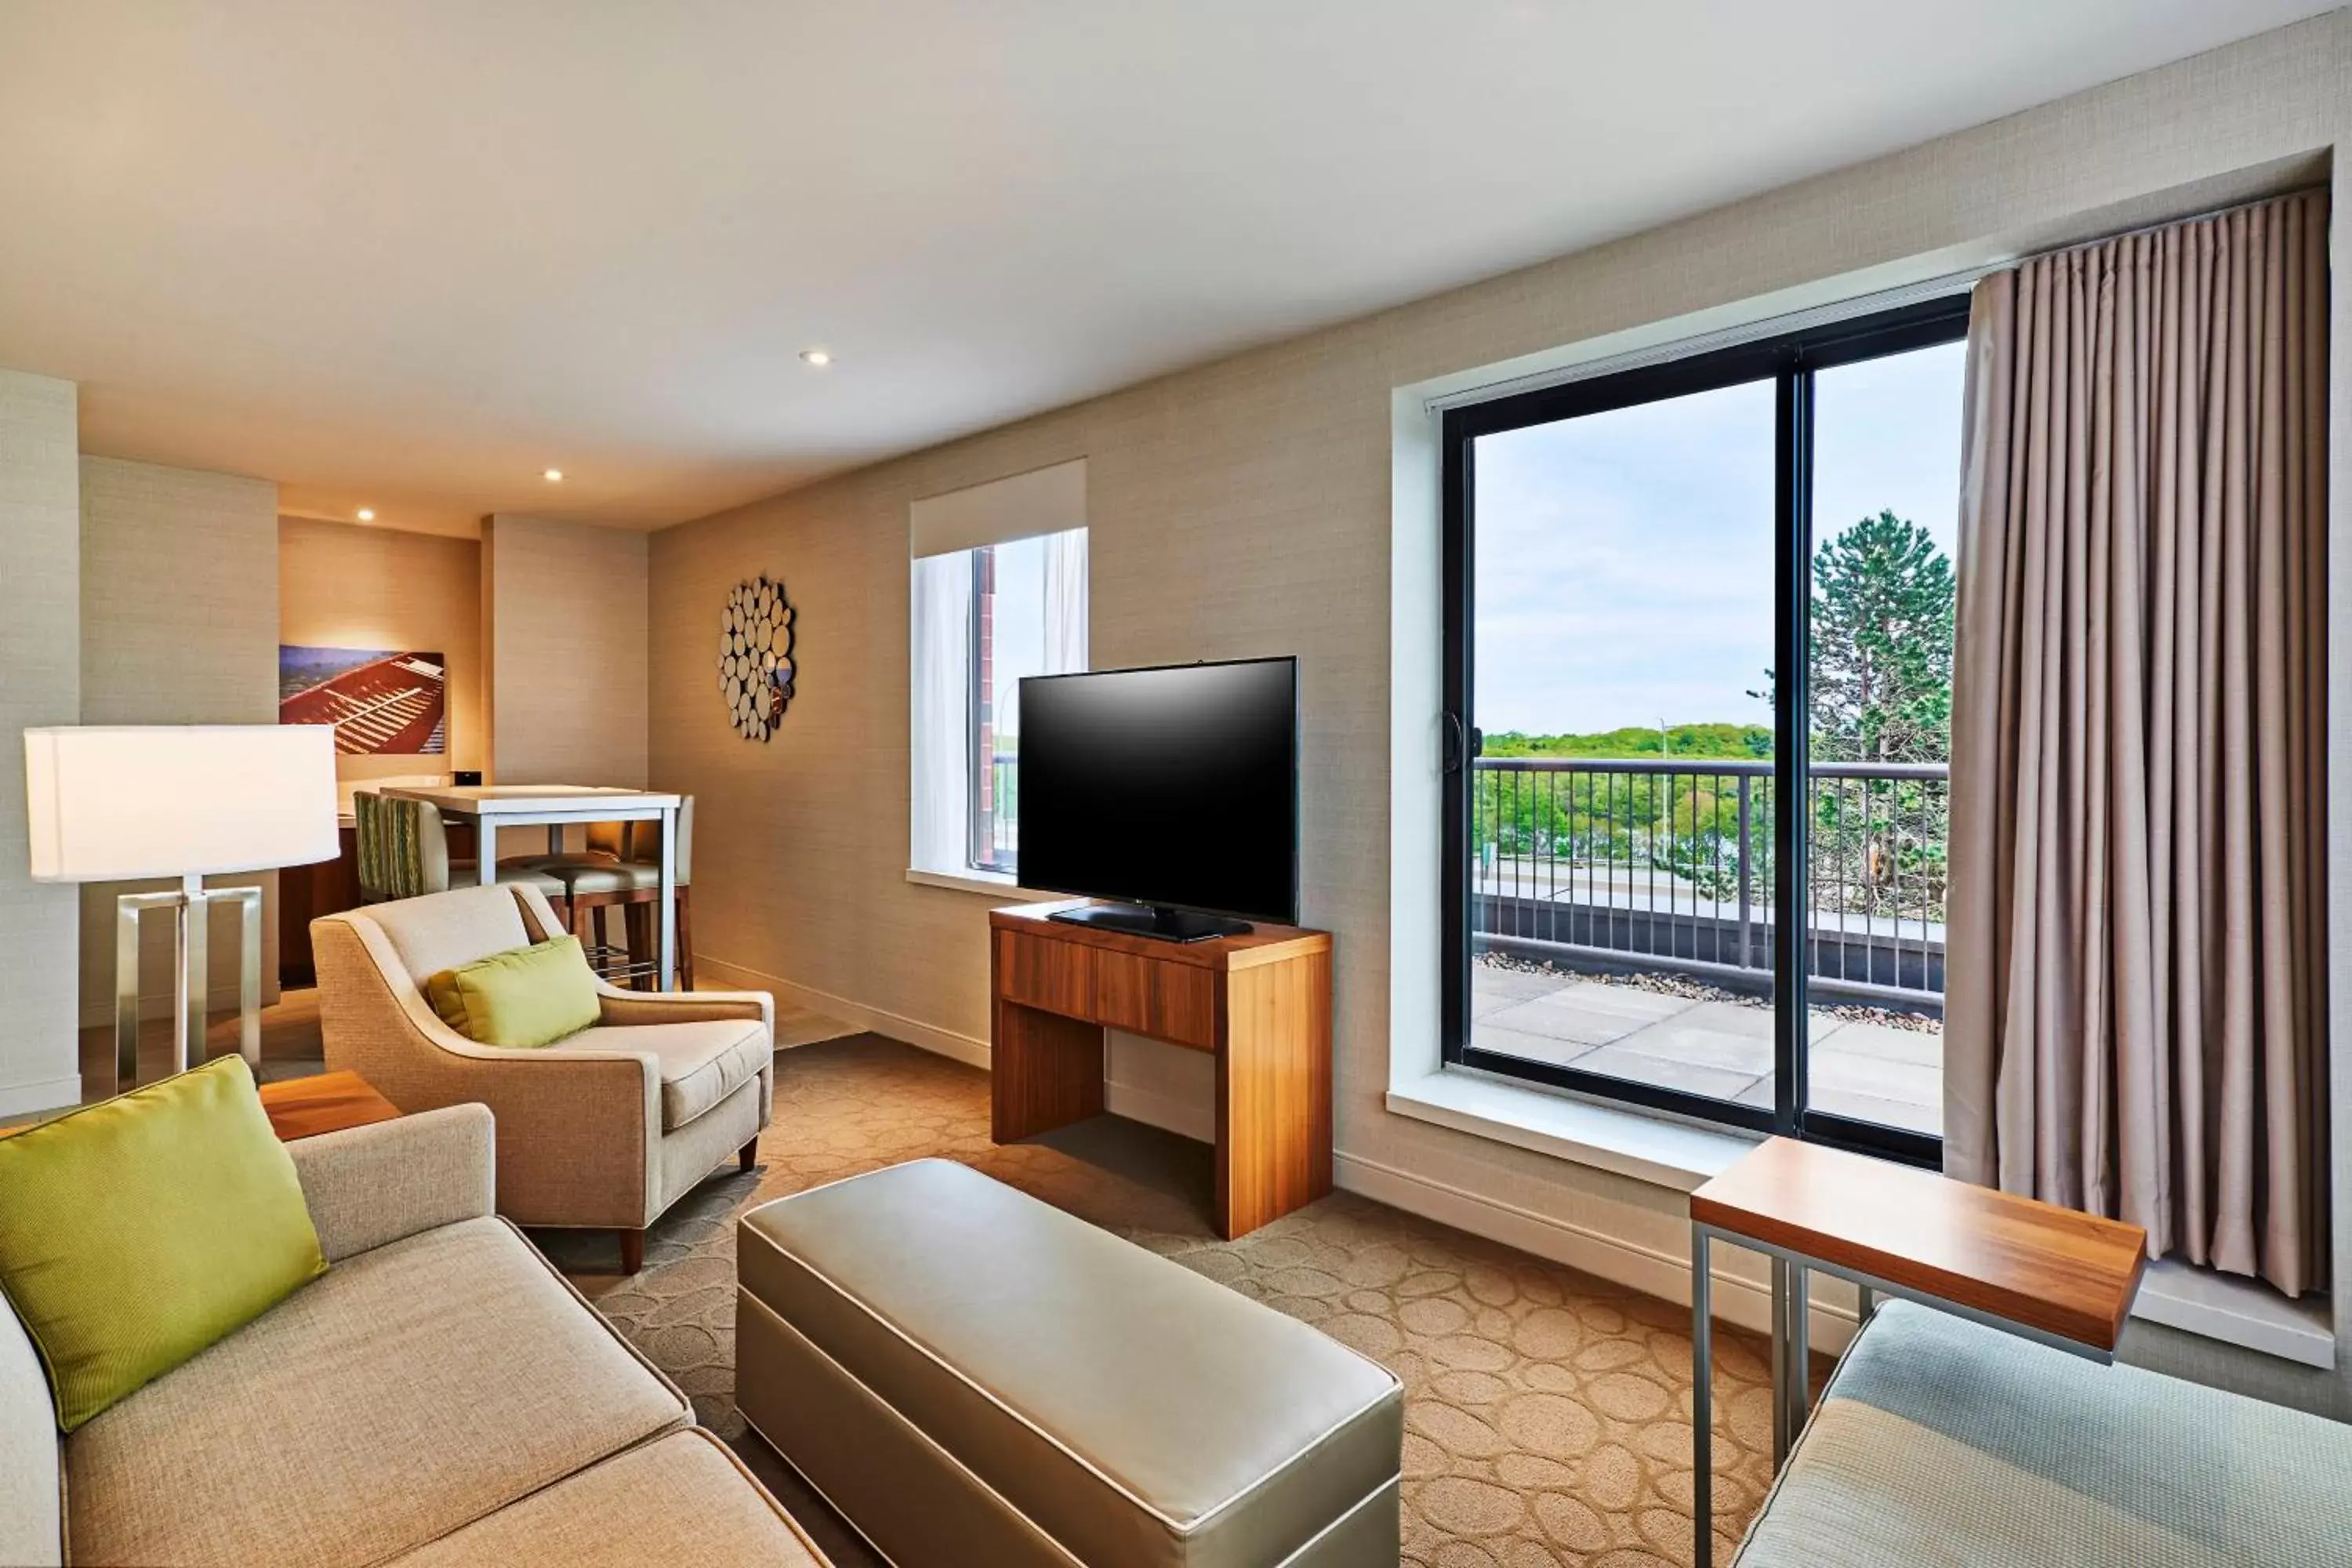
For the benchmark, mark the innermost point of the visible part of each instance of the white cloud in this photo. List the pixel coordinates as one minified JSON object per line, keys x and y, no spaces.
{"x":1624,"y":571}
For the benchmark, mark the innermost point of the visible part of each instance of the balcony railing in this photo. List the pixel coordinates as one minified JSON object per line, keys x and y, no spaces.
{"x":1666,"y":864}
{"x":996,"y":816}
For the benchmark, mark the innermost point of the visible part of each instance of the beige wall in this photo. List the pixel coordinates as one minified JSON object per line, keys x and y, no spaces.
{"x":179,"y":626}
{"x":40,"y":683}
{"x":564,"y":640}
{"x":342,"y":585}
{"x":1247,"y":508}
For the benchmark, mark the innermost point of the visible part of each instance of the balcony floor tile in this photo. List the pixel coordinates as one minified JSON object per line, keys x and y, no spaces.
{"x":1589,"y":1012}
{"x":1835,"y":1068}
{"x":1712,"y":1033}
{"x":1492,"y":989}
{"x":1691,"y":1077}
{"x":1908,"y":1113}
{"x":1920,"y":1047}
{"x":1487,"y":1037}
{"x":1876,"y":1072}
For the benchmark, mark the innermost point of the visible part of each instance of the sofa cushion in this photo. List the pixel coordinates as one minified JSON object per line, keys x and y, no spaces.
{"x":32,"y":1521}
{"x":442,"y":931}
{"x":524,"y":997}
{"x":135,"y":1232}
{"x":607,"y":877}
{"x":1940,"y":1441}
{"x":701,"y":1063}
{"x":410,"y":1391}
{"x":679,"y":1498}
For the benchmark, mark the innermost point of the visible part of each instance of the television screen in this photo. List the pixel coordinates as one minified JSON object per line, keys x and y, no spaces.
{"x":1175,"y":786}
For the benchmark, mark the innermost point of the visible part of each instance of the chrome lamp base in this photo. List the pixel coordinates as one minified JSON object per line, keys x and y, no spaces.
{"x":191,"y":904}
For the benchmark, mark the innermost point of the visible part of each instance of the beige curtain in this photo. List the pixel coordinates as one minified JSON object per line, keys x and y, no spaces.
{"x":2136,"y":1007}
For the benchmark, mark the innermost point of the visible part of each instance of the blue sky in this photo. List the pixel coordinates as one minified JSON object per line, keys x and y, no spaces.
{"x":1625,"y":560}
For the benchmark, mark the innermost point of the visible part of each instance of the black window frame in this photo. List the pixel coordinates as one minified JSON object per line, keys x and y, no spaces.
{"x":1790,"y":362}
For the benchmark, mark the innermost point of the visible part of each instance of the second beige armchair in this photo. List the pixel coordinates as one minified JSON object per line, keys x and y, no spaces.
{"x":604,"y":1130}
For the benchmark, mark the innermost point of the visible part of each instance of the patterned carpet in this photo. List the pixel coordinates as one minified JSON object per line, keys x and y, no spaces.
{"x":1546,"y":1413}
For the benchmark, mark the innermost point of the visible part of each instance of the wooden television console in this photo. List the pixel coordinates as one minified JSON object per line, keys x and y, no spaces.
{"x":1261,"y":1003}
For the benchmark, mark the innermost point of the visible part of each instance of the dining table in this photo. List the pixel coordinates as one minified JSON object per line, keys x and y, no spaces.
{"x":556,"y":807}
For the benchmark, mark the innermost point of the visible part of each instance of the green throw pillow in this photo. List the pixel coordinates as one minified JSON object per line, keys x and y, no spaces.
{"x":135,"y":1232}
{"x":527,"y":997}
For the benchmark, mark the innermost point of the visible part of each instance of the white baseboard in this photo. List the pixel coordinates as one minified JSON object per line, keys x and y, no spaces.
{"x":1166,"y":1111}
{"x":881,"y":1020}
{"x":152,"y":1006}
{"x":1666,"y":1275}
{"x":1137,"y":1104}
{"x":50,"y":1094}
{"x":155,"y":1005}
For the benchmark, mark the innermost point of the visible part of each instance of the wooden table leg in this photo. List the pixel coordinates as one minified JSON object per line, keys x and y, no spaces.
{"x":1045,"y":1071}
{"x":1274,"y":1093}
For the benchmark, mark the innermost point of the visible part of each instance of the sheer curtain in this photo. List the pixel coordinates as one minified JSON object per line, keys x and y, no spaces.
{"x":2136,"y":981}
{"x":941,"y":705}
{"x":1066,"y":601}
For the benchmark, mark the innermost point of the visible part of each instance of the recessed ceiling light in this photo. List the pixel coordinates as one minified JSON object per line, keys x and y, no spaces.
{"x":817,"y":357}
{"x":367,"y":514}
{"x":552,"y":476}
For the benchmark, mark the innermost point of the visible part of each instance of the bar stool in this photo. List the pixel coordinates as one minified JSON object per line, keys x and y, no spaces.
{"x":622,"y":869}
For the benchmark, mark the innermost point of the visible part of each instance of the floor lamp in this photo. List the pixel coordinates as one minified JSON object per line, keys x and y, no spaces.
{"x":120,"y":803}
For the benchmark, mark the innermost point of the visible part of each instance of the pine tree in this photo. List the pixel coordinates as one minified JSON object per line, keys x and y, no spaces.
{"x":1882,"y":677}
{"x":1884,"y":596}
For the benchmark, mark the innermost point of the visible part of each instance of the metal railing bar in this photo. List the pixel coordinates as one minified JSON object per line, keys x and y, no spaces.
{"x":1919,"y":771}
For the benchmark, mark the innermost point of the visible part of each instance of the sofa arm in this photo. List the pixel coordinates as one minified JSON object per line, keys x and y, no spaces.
{"x":368,"y":1185}
{"x":627,"y":1009}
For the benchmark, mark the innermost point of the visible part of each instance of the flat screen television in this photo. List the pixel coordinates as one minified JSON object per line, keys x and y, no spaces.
{"x":1171,"y":791}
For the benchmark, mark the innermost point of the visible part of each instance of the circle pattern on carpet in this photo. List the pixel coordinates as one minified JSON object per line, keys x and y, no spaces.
{"x":1546,"y":1412}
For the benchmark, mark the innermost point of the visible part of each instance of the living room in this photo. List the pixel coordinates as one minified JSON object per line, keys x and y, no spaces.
{"x":706,"y":440}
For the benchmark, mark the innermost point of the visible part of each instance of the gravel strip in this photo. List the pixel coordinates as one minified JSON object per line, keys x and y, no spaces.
{"x":1667,"y":982}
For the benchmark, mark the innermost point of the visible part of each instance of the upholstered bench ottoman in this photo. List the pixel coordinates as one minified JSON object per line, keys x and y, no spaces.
{"x":974,"y":1377}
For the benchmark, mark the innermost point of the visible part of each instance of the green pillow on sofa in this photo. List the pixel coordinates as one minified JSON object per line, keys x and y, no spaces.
{"x":526,"y":996}
{"x":135,"y":1232}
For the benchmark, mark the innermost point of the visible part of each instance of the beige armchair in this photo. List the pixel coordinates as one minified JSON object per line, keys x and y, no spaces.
{"x":605,"y":1129}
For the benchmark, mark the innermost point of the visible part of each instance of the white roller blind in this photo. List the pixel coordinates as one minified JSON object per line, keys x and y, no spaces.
{"x":939,"y":710}
{"x":1044,"y":501}
{"x":1066,"y":601}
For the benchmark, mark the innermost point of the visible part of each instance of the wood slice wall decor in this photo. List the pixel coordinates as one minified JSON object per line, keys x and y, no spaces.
{"x":755,"y":658}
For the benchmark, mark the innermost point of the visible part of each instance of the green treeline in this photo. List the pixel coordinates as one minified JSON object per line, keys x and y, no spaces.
{"x":1739,"y":743}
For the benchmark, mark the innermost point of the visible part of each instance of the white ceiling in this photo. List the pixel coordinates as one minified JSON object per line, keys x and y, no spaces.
{"x":408,"y":255}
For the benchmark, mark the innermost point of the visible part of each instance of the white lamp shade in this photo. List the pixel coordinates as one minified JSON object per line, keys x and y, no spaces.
{"x":109,"y":805}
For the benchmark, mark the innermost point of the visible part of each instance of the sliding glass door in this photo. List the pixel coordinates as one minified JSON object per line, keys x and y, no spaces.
{"x":1886,"y":502}
{"x":1632,"y":561}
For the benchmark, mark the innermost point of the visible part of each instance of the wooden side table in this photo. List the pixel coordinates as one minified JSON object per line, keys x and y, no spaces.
{"x":325,"y":1102}
{"x":305,"y":1107}
{"x":2029,"y":1268}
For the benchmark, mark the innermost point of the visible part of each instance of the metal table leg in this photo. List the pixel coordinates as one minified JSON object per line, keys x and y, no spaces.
{"x":1702,"y":1404}
{"x":1791,"y":1372}
{"x":668,"y":894}
{"x":196,"y":960}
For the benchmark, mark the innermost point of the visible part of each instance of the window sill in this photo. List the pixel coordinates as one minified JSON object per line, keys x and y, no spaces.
{"x":2236,"y":1311}
{"x":1630,"y":1142}
{"x":1680,"y":1156}
{"x":987,"y":882}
